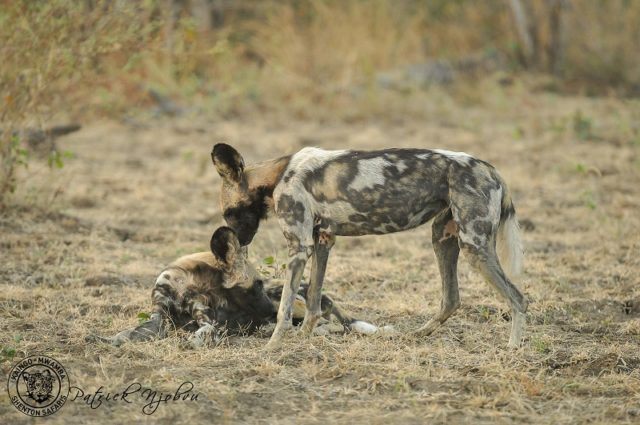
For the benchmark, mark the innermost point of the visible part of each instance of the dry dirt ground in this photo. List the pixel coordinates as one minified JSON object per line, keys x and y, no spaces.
{"x":81,"y":246}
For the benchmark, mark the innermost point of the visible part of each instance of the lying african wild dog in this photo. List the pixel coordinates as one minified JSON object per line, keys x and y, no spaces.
{"x":219,"y":292}
{"x":319,"y":194}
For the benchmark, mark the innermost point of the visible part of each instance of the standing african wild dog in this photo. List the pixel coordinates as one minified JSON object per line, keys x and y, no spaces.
{"x":319,"y":194}
{"x":218,"y":292}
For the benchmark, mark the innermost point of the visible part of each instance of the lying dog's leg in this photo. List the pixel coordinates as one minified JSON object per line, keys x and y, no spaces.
{"x":207,"y":335}
{"x":323,"y":242}
{"x":147,"y":331}
{"x":163,"y":296}
{"x":445,"y":244}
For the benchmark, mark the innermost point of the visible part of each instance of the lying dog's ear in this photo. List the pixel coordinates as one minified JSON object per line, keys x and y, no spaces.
{"x":228,"y":163}
{"x":225,"y":246}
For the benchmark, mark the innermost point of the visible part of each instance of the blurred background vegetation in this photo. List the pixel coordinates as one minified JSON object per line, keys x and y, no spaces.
{"x":87,"y":59}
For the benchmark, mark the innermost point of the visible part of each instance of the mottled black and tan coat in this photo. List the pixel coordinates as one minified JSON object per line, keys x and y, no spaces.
{"x":319,"y":194}
{"x":217,"y":293}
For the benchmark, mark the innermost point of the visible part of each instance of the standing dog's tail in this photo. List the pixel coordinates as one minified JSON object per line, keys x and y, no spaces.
{"x":367,"y":328}
{"x":509,"y":245}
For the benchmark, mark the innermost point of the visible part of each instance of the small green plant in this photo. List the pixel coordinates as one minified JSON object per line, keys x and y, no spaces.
{"x":187,"y":155}
{"x":125,"y":258}
{"x":485,"y":312}
{"x":7,"y":354}
{"x":401,"y":385}
{"x":581,"y":168}
{"x":518,"y":133}
{"x":56,"y":159}
{"x":13,"y":155}
{"x":558,"y":126}
{"x":589,"y":200}
{"x":272,"y":268}
{"x":143,"y":317}
{"x":540,"y":345}
{"x":582,"y":126}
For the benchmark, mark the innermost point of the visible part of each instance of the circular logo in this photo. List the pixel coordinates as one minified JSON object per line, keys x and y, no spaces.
{"x":38,"y":386}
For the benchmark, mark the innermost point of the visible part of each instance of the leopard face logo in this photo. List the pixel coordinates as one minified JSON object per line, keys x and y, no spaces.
{"x":39,"y":385}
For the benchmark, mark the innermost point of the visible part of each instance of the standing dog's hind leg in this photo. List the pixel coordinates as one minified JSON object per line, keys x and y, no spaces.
{"x":323,"y":242}
{"x":486,"y":262}
{"x":445,"y":244}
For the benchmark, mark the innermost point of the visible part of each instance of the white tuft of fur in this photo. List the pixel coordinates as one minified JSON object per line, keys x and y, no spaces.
{"x":370,"y":173}
{"x":310,"y":159}
{"x":509,"y":247}
{"x":367,"y":328}
{"x":460,"y":157}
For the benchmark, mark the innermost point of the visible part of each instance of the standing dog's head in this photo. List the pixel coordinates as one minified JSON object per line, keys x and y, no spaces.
{"x":242,"y":206}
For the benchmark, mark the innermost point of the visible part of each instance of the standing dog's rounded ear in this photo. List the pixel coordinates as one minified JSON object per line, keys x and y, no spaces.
{"x":225,"y":246}
{"x":228,"y":163}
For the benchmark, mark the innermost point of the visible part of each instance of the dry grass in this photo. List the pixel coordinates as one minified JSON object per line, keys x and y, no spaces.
{"x":134,"y":199}
{"x":96,"y":58}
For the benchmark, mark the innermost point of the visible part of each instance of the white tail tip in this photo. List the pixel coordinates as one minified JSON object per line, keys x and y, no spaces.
{"x":366,"y":328}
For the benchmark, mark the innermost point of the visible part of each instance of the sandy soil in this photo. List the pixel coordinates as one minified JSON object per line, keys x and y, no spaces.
{"x":81,"y":246}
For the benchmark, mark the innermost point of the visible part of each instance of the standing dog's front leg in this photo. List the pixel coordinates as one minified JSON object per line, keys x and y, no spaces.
{"x":324,"y":240}
{"x":296,"y":222}
{"x":297,"y":262}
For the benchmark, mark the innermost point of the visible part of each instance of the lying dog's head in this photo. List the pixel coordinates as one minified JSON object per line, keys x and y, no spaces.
{"x":242,"y":206}
{"x":243,"y":286}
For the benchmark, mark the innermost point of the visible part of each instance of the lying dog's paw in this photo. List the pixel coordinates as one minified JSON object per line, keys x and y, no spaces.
{"x":151,"y":329}
{"x":206,"y":336}
{"x":123,"y":337}
{"x":147,"y":331}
